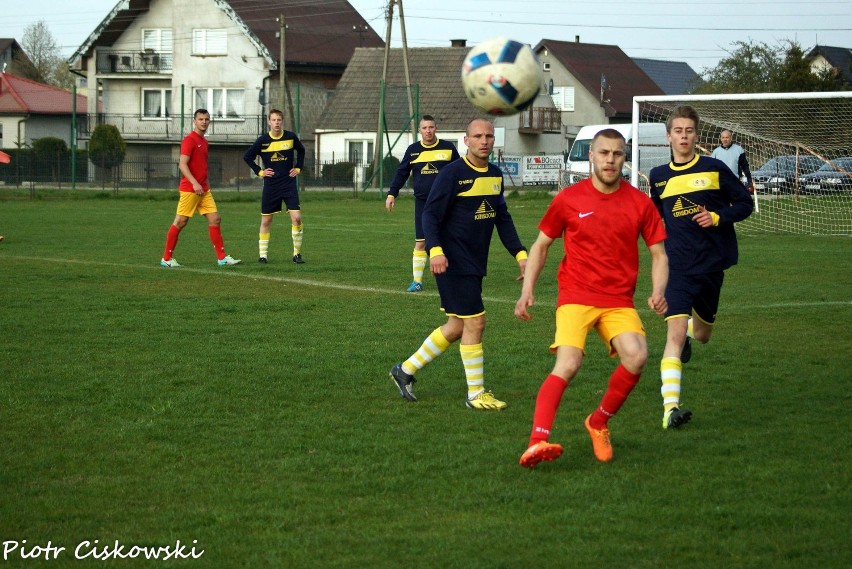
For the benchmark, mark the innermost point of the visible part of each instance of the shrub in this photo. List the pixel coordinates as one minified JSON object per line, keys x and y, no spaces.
{"x":106,"y":147}
{"x":389,"y":166}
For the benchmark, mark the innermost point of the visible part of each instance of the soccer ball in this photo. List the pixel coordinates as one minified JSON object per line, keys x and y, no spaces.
{"x":501,"y":76}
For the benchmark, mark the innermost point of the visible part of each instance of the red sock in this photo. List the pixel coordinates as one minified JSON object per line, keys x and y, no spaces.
{"x":171,"y":241}
{"x":216,"y":238}
{"x":621,"y":383}
{"x":546,"y":405}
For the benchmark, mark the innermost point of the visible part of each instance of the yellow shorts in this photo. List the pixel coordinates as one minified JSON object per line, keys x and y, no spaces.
{"x":190,"y":202}
{"x":573,"y":322}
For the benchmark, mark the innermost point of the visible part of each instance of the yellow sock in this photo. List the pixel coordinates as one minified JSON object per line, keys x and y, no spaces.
{"x":263,"y":244}
{"x":418,"y":263}
{"x":690,"y":329}
{"x":296,"y":231}
{"x":474,"y":368}
{"x":671,"y":371}
{"x":432,"y":347}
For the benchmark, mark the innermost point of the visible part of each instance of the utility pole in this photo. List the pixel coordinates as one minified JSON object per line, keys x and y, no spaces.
{"x":283,"y":85}
{"x":414,"y":121}
{"x":281,"y":66}
{"x":377,"y":147}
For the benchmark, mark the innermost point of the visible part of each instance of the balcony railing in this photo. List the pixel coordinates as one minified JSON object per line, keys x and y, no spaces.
{"x":536,"y":120}
{"x":135,"y":62}
{"x":168,"y":129}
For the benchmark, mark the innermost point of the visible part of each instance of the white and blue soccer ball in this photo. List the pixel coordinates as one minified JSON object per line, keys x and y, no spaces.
{"x":501,"y":76}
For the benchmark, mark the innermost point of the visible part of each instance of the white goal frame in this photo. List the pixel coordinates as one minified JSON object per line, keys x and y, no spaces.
{"x":800,"y":215}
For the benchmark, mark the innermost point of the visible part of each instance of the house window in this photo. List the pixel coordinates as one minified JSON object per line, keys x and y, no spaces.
{"x":545,"y":66}
{"x":159,"y":40}
{"x":156,"y":103}
{"x":563,"y":98}
{"x":360,"y":151}
{"x":222,"y":103}
{"x":157,"y":46}
{"x":209,"y":42}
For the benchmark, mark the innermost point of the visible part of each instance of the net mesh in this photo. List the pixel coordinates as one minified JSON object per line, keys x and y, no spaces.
{"x":799,"y":151}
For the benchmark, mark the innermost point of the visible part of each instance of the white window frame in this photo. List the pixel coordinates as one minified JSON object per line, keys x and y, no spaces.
{"x":563,"y":98}
{"x":165,"y":103}
{"x":159,"y":40}
{"x":225,"y":98}
{"x":209,"y":41}
{"x":366,"y":150}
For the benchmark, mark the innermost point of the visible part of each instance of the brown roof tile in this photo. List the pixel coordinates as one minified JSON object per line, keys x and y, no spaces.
{"x":437,"y":72}
{"x":588,"y":62}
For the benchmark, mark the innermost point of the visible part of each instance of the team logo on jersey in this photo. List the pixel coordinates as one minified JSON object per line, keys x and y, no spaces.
{"x":484,"y":211}
{"x":699,"y":182}
{"x":683,"y":206}
{"x":277,"y":157}
{"x":428,"y":168}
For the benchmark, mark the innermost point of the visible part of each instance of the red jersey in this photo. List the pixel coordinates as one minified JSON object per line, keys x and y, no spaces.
{"x":600,"y":234}
{"x":195,"y":146}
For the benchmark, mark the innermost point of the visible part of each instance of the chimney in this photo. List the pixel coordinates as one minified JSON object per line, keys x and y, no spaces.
{"x":576,"y":39}
{"x":458,"y":43}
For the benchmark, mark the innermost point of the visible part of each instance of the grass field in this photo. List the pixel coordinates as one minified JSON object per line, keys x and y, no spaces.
{"x":247,"y":411}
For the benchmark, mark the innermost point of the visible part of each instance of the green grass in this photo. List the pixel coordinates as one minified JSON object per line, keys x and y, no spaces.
{"x":250,"y":409}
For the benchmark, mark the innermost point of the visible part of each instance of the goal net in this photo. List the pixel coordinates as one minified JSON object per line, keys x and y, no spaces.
{"x":799,"y":148}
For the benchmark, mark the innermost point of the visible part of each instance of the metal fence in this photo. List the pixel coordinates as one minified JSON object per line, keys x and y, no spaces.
{"x":31,"y":172}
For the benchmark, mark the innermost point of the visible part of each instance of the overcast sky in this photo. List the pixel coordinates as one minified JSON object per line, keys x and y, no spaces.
{"x":697,"y":32}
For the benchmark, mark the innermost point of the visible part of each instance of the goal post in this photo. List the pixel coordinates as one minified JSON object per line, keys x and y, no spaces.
{"x":786,"y":136}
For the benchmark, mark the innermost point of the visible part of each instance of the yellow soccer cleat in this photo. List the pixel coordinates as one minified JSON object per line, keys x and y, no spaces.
{"x":485,"y":401}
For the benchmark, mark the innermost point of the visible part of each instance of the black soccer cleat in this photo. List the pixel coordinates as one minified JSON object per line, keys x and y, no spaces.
{"x":262,"y":261}
{"x":297,"y":258}
{"x":403,"y":382}
{"x":686,"y":353}
{"x":675,"y":417}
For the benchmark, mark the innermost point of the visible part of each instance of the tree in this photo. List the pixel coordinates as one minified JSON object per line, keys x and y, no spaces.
{"x":761,"y":68}
{"x":44,"y":63}
{"x":106,"y":147}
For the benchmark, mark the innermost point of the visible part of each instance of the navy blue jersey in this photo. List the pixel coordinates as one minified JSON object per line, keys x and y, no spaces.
{"x":282,"y":154}
{"x":465,"y":205}
{"x":423,"y":163}
{"x":679,"y":191}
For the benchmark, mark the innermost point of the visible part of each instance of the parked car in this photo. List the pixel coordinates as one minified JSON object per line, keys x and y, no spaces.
{"x":833,"y":176}
{"x":778,"y":174}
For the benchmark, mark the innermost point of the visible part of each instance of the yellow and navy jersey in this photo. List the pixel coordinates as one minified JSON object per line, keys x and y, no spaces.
{"x":282,"y":154}
{"x":680,"y":191}
{"x":422,"y":163}
{"x":464,"y":206}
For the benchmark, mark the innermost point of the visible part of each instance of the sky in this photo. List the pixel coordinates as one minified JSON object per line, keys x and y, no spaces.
{"x":701,"y":33}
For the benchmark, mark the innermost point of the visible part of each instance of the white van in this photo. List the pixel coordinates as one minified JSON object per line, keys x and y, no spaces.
{"x":653,"y":149}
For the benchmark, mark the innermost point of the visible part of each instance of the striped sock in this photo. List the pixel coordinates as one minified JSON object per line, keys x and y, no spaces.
{"x":263,"y":244}
{"x":671,"y":371}
{"x":418,"y":263}
{"x":432,"y":347}
{"x":296,"y":231}
{"x":474,"y":368}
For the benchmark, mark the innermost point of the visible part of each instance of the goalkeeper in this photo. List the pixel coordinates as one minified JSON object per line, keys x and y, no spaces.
{"x":734,"y":157}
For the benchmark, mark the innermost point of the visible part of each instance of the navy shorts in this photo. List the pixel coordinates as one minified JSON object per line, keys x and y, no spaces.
{"x":461,"y":295}
{"x":698,"y":293}
{"x":419,"y":204}
{"x":272,"y":199}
